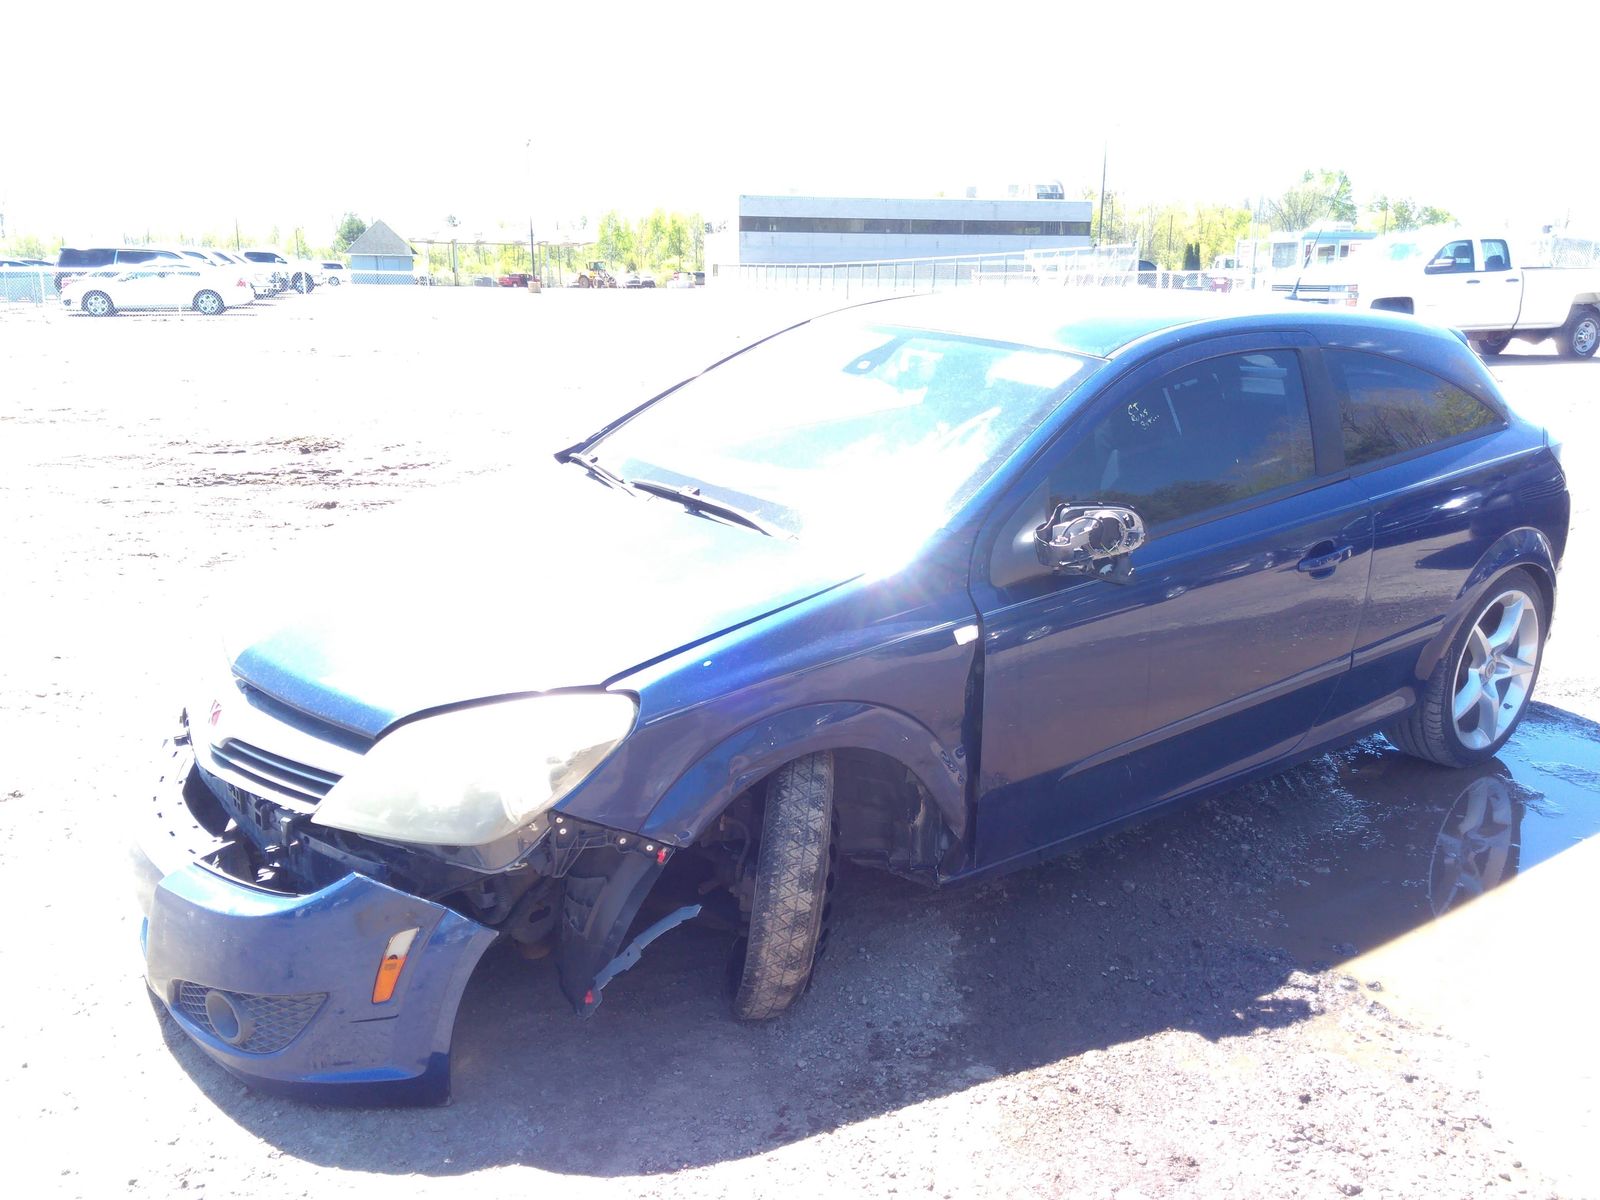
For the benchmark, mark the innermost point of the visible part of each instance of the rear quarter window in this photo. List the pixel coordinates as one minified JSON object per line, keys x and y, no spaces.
{"x":1389,"y":408}
{"x":85,"y":258}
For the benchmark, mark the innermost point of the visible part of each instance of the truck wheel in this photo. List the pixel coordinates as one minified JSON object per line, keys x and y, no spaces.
{"x":1479,"y":690}
{"x":1492,"y":344}
{"x":794,"y":876}
{"x":1581,"y":335}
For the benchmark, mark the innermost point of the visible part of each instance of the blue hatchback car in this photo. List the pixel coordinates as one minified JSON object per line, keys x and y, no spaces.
{"x":940,"y":585}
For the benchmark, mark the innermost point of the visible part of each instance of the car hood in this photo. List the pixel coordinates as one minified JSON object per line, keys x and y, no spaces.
{"x":551,"y":581}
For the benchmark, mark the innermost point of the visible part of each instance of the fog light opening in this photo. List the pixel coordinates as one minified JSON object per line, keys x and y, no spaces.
{"x":227,"y":1021}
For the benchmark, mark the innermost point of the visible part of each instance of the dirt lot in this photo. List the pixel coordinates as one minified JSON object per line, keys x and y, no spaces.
{"x":1181,"y":1011}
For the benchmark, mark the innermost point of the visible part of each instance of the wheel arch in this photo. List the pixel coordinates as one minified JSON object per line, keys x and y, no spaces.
{"x":900,"y":793}
{"x":1525,"y":547}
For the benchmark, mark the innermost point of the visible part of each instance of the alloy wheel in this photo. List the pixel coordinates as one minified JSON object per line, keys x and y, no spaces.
{"x":1496,"y":669}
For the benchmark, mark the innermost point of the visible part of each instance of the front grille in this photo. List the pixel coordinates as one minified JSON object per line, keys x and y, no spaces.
{"x":282,"y":774}
{"x":268,"y":1023}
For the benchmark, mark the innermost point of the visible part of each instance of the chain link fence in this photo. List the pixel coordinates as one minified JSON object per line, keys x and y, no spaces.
{"x":1099,"y":266}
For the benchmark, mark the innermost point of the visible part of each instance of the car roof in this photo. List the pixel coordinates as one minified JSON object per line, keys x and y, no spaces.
{"x":1106,"y":322}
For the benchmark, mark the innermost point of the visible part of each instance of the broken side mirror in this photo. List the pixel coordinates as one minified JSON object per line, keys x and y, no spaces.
{"x":1091,"y":540}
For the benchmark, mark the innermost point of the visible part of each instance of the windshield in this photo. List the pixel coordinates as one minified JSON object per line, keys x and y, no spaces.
{"x":834,"y":424}
{"x":1398,"y":250}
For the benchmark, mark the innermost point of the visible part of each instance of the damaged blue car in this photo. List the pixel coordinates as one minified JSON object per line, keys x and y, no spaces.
{"x":937,"y":585}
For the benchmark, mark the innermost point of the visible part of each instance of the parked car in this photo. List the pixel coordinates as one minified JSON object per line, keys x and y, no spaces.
{"x":1478,"y":282}
{"x":980,"y":578}
{"x":208,"y":290}
{"x":264,"y":280}
{"x":517,"y":279}
{"x":291,"y":274}
{"x":681,"y":279}
{"x":107,"y":260}
{"x":334,"y":273}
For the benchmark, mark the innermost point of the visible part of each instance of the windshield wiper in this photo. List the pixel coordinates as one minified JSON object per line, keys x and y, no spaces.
{"x":691,"y":498}
{"x":591,"y":464}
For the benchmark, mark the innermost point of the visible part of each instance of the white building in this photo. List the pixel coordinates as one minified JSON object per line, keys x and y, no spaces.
{"x":838,"y":229}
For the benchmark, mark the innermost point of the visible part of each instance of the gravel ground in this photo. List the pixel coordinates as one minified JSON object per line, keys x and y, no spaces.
{"x":1163,"y":1014}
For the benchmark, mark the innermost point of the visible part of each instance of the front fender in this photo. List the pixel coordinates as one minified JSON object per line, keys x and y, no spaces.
{"x":705,"y":789}
{"x":1524,"y":547}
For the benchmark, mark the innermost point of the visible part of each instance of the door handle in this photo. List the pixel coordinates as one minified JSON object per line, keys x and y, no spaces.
{"x":1474,"y":282}
{"x":1513,"y":279}
{"x":1315,"y":564}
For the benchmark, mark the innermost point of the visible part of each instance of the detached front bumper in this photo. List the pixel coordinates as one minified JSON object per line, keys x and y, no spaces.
{"x":277,"y":987}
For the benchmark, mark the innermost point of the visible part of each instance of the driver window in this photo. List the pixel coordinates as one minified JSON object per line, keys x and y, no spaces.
{"x":1460,"y":256}
{"x":1205,"y":436}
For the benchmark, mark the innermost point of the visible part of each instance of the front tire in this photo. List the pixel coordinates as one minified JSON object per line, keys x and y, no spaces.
{"x":794,"y":876}
{"x":98,"y":304}
{"x":1479,"y":690}
{"x":209,"y":303}
{"x":1580,"y":337}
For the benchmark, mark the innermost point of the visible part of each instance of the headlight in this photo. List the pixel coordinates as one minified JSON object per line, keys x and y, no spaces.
{"x":472,"y":776}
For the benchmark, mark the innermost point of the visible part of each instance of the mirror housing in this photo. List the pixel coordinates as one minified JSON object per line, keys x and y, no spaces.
{"x":1089,"y":540}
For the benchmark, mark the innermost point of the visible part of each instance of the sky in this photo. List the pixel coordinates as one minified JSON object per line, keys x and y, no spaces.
{"x":174,"y":118}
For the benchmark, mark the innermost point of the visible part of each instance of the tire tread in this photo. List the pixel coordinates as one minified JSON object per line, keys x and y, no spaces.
{"x":793,"y":879}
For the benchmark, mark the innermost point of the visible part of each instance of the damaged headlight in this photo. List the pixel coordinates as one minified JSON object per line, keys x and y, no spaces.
{"x":473,"y":775}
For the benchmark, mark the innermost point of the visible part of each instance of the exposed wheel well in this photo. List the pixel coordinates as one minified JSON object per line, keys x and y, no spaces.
{"x":887,"y":817}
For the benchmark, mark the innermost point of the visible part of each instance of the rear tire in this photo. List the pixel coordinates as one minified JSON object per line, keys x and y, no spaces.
{"x":1580,"y":337}
{"x":208,"y":302}
{"x":1479,"y":691}
{"x":794,"y":876}
{"x":1491,"y":345}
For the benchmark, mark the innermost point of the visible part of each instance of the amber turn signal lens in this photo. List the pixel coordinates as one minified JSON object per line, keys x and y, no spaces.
{"x":390,"y":966}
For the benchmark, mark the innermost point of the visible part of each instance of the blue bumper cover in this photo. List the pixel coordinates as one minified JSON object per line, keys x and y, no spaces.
{"x":277,"y":988}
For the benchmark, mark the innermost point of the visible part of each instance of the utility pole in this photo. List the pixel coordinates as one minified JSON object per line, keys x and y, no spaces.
{"x":1099,"y":232}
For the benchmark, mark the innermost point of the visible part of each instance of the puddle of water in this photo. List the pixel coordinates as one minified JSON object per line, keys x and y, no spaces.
{"x":1414,"y":841}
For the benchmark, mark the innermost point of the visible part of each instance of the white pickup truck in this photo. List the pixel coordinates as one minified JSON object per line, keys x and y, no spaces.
{"x":1482,"y":286}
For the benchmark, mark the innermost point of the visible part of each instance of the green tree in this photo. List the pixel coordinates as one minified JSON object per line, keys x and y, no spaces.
{"x":613,"y":239}
{"x":29,"y":246}
{"x":350,"y":228}
{"x":1391,"y":214}
{"x":1320,"y":195}
{"x":678,"y":237}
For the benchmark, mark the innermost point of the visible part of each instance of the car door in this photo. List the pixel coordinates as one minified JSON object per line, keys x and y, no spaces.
{"x":1497,"y":295}
{"x":1217,"y":655}
{"x":1450,"y":283}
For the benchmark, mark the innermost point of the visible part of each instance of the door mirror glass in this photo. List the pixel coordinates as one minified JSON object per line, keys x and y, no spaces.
{"x":1090,"y":540}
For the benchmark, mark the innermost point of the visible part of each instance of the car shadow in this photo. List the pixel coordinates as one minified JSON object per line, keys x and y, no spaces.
{"x":1199,"y":921}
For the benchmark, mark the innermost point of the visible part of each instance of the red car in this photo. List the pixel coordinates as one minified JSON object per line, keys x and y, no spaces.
{"x":519,"y":279}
